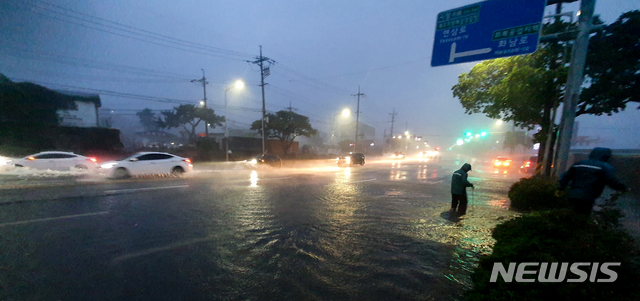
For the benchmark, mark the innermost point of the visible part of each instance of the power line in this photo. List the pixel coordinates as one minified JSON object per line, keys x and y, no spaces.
{"x":146,"y":38}
{"x":312,"y":80}
{"x":135,"y":96}
{"x":168,"y":38}
{"x":373,"y":69}
{"x":90,"y":77}
{"x":80,"y":62}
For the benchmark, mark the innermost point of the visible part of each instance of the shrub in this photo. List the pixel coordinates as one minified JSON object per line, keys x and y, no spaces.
{"x":558,"y":236}
{"x":536,"y":193}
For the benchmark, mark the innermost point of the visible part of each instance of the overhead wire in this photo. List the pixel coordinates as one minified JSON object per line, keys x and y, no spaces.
{"x":138,"y":96}
{"x":169,"y":38}
{"x":145,"y":38}
{"x":86,"y":63}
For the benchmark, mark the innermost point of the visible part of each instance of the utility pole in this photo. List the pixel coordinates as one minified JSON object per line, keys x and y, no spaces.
{"x":393,"y":120}
{"x":553,"y":66}
{"x":574,"y":81}
{"x":264,"y":72}
{"x":290,"y":108}
{"x":204,"y":82}
{"x":355,"y":144}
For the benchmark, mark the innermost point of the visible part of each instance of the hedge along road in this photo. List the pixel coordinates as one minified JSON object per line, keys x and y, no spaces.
{"x":375,"y":232}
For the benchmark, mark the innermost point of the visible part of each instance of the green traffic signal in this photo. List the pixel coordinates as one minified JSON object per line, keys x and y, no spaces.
{"x":483,"y":134}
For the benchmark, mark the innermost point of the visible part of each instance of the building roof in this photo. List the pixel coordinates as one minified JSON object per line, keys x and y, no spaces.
{"x":82,"y":96}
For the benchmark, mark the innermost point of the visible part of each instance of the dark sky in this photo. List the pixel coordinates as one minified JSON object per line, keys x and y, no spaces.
{"x":323,"y":51}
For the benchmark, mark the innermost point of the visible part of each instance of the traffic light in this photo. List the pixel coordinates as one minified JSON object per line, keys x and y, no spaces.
{"x":483,"y":134}
{"x":468,"y":134}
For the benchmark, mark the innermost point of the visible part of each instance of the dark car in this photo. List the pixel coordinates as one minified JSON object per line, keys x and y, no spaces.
{"x":351,"y":159}
{"x":529,"y":166}
{"x":266,"y":160}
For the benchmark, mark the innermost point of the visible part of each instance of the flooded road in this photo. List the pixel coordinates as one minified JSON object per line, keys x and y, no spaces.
{"x":311,"y":232}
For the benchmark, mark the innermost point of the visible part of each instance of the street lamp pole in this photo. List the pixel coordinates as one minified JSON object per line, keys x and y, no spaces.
{"x":345,"y":113}
{"x":226,"y":127}
{"x":238,"y":85}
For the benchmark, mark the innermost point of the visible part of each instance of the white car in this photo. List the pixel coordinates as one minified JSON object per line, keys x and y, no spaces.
{"x":147,"y":163}
{"x":64,"y":161}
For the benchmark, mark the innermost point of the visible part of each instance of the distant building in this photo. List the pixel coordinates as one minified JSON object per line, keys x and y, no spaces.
{"x":86,"y":112}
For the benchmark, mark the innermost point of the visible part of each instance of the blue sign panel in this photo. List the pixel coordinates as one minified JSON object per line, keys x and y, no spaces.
{"x":487,"y":30}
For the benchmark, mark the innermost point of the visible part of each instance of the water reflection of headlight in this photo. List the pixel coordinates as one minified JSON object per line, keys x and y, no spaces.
{"x":347,"y":172}
{"x":254,"y":179}
{"x":108,"y":165}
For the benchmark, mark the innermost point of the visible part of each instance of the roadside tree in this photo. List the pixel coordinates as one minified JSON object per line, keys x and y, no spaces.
{"x":526,"y":89}
{"x":188,"y":117}
{"x":286,"y":126}
{"x":148,"y":120}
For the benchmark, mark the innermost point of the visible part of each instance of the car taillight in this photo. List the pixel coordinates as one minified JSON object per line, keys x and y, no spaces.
{"x":31,"y":158}
{"x":94,"y":160}
{"x":187,"y":160}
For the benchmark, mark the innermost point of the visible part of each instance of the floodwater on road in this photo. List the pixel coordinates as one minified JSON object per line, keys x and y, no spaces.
{"x":377,"y":232}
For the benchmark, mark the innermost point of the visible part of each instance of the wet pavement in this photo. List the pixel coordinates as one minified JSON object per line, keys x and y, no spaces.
{"x":313,"y":231}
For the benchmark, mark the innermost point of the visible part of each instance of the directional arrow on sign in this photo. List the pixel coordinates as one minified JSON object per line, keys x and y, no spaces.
{"x":453,"y":55}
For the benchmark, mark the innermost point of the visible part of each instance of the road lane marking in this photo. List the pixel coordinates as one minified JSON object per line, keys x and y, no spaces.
{"x":52,"y":219}
{"x":159,"y":249}
{"x":143,"y":189}
{"x":367,"y":180}
{"x":280,"y":178}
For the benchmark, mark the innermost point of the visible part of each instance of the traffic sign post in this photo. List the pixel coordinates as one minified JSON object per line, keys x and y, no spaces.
{"x":487,"y":30}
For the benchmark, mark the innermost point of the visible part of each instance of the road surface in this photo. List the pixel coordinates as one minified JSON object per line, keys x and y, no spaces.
{"x":310,"y":232}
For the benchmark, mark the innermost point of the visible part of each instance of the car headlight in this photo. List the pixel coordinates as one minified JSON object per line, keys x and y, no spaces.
{"x":254,"y":161}
{"x":348,"y":159}
{"x":108,"y":165}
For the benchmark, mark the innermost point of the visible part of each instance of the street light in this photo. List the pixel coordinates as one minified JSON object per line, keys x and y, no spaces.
{"x":499,"y":122}
{"x":238,"y":85}
{"x":345,"y":113}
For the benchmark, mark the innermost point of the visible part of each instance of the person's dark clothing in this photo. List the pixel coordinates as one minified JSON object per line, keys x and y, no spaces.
{"x":582,"y":206}
{"x":587,"y":179}
{"x":460,"y":202}
{"x":459,"y":184}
